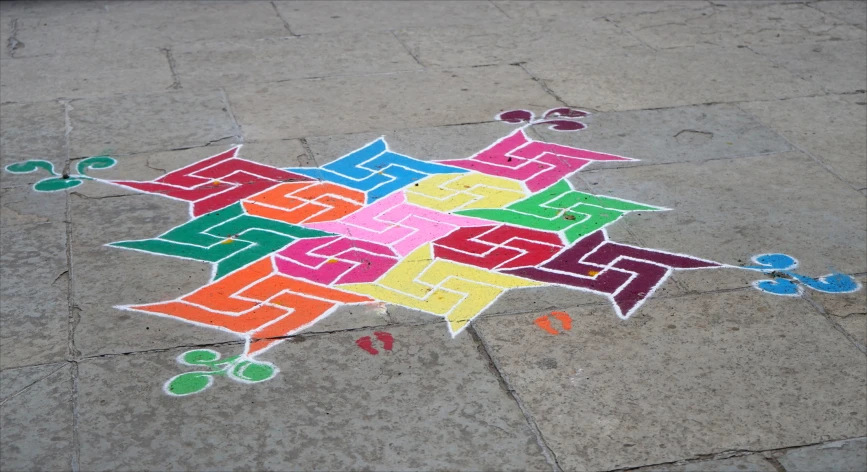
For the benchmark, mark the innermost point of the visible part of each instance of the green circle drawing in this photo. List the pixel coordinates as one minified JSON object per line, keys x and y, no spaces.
{"x":188,"y":383}
{"x":249,"y":371}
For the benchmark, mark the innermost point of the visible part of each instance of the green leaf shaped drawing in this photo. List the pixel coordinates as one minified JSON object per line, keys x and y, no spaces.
{"x":237,"y":368}
{"x":189,"y":383}
{"x":55,"y":184}
{"x":30,"y":166}
{"x":96,"y":162}
{"x":60,"y":183}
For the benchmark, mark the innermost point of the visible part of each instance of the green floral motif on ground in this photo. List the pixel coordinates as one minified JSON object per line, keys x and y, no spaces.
{"x":236,"y":368}
{"x":61,"y":182}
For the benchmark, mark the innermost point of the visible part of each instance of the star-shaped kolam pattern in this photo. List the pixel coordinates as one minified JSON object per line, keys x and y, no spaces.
{"x":448,"y":237}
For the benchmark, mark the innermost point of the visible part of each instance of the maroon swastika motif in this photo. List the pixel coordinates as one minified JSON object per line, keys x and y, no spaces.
{"x":628,"y":275}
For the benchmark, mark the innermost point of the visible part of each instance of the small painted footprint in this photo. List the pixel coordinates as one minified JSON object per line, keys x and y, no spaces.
{"x":366,"y":343}
{"x":544,"y":322}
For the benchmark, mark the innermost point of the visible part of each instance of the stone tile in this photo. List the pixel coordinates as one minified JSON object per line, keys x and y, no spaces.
{"x":669,"y":79}
{"x":836,"y":66}
{"x":430,"y":403}
{"x":684,"y":377}
{"x":732,"y":209}
{"x":842,"y":456}
{"x":140,"y":123}
{"x":372,"y":103}
{"x":514,"y":41}
{"x":23,"y":206}
{"x":17,"y":380}
{"x":34,"y":79}
{"x":854,"y":12}
{"x":578,"y":10}
{"x":34,"y":314}
{"x":31,"y":131}
{"x":737,"y":25}
{"x":848,"y":310}
{"x":47,"y":8}
{"x":833,"y":129}
{"x":426,"y":144}
{"x":36,"y":427}
{"x":122,"y":26}
{"x":683,"y":134}
{"x":306,"y":17}
{"x":751,"y":463}
{"x":217,"y":64}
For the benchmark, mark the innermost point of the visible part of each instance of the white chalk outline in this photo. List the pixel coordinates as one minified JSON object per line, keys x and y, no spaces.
{"x":336,"y":257}
{"x":381,"y":171}
{"x":248,"y":336}
{"x":534,"y":160}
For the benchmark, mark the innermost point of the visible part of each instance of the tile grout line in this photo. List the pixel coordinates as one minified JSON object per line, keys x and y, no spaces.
{"x":31,"y":384}
{"x":76,"y":441}
{"x":829,"y":318}
{"x":498,"y":8}
{"x":625,"y":31}
{"x":176,"y":81}
{"x":774,"y":463}
{"x":702,"y":161}
{"x":228,"y":109}
{"x":285,"y":23}
{"x":307,"y":150}
{"x":810,"y":5}
{"x":408,"y":50}
{"x":484,"y":350}
{"x":541,"y":83}
{"x":764,"y":453}
{"x":72,"y":314}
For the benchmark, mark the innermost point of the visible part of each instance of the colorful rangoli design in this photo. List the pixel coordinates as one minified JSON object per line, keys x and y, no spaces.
{"x":288,"y":246}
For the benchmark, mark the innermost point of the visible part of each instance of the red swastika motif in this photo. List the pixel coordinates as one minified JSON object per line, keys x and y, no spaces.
{"x":215,"y":182}
{"x":498,"y":247}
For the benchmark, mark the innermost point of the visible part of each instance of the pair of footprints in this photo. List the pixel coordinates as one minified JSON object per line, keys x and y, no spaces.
{"x":387,"y":340}
{"x":544,"y":322}
{"x":366,"y":342}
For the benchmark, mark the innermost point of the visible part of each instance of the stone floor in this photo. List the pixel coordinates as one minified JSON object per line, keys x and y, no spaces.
{"x":749,"y":120}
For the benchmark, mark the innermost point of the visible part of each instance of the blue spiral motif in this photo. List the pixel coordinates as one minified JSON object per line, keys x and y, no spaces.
{"x":788,"y":283}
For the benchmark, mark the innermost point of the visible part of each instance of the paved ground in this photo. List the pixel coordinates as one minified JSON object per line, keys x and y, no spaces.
{"x":750,"y":124}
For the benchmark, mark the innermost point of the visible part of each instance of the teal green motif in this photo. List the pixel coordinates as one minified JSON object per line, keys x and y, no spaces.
{"x":560,"y":208}
{"x":236,"y":368}
{"x":228,"y":237}
{"x":60,"y":182}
